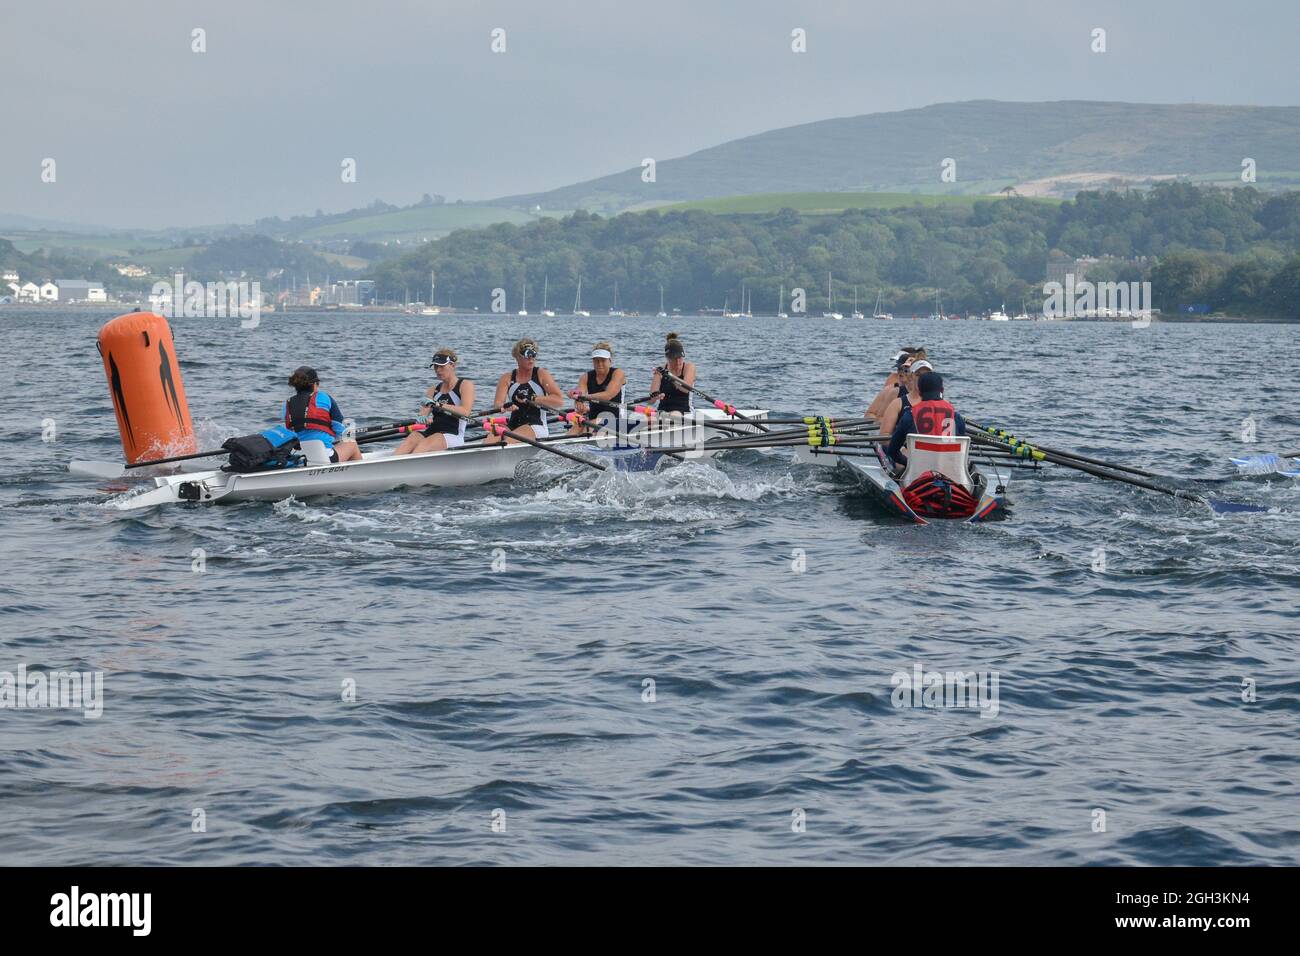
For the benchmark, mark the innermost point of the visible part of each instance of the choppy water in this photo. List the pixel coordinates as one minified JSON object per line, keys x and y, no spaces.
{"x":523,"y":691}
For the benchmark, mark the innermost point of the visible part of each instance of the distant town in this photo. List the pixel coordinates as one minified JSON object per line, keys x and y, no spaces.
{"x":17,"y":291}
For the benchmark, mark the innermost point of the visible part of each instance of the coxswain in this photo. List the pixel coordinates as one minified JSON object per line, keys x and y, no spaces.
{"x":670,"y":396}
{"x":526,"y":393}
{"x":314,"y":416}
{"x":601,"y":389}
{"x":930,"y":415}
{"x":441,"y":431}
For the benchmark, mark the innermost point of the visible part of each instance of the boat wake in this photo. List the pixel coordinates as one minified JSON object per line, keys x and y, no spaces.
{"x":547,"y":509}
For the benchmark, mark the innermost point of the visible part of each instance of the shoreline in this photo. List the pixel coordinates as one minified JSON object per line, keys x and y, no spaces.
{"x":120,"y":308}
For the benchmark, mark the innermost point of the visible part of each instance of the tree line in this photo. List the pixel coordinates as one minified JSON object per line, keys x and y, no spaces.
{"x":1233,"y":249}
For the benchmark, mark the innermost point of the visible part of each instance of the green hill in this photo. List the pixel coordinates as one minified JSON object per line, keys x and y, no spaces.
{"x":1043,"y":148}
{"x":414,"y":223}
{"x":825,"y":204}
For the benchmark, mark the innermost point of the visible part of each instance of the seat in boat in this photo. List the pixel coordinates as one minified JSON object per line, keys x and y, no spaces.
{"x":942,"y":454}
{"x":315,"y":452}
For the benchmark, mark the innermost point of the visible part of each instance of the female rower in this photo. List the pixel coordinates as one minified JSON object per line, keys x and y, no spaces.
{"x":908,"y":395}
{"x":526,"y":393}
{"x":456,"y":394}
{"x":671,"y":396}
{"x":600,"y":389}
{"x":892,"y":388}
{"x":315,"y":416}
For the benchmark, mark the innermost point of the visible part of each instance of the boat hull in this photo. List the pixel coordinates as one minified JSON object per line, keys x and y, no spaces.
{"x":381,"y":471}
{"x":880,"y":487}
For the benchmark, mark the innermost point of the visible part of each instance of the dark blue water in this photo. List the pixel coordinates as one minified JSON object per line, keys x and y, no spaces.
{"x":524,"y":691}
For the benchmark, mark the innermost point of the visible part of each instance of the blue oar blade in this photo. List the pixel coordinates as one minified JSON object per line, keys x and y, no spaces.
{"x":1258,"y":464}
{"x":1233,"y":507}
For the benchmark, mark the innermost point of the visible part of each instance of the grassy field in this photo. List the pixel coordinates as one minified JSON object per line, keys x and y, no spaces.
{"x":422,"y":222}
{"x":827,"y":203}
{"x":347,"y":262}
{"x":27,"y":242}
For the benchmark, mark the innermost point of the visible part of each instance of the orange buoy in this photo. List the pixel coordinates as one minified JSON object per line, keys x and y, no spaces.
{"x":144,"y":380}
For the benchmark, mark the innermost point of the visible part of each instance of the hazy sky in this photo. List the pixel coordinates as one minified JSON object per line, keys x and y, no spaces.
{"x":147,"y":133}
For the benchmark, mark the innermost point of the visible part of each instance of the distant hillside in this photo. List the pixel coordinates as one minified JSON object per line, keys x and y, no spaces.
{"x":1233,"y":250}
{"x":826,"y":204}
{"x":1051,"y":148}
{"x":413,"y":223}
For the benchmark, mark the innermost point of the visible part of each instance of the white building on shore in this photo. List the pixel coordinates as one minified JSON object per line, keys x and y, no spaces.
{"x":79,"y":290}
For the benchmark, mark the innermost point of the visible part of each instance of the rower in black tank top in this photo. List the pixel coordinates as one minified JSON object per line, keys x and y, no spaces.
{"x":447,"y":424}
{"x":676,"y":398}
{"x":603,"y":404}
{"x":525,"y":392}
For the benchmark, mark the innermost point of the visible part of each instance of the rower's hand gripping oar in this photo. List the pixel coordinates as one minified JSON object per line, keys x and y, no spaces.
{"x":984,"y":436}
{"x":391,"y":426}
{"x":715,"y":402}
{"x":494,"y":427}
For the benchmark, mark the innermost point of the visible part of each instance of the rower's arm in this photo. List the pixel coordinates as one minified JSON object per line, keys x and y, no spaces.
{"x":688,"y":373}
{"x":656,"y":383}
{"x":466,"y":406}
{"x":889,"y":418}
{"x":554,"y":398}
{"x":881,"y":401}
{"x":430,"y":396}
{"x":899,"y":438}
{"x":336,"y":418}
{"x":503,"y":385}
{"x":610,"y":392}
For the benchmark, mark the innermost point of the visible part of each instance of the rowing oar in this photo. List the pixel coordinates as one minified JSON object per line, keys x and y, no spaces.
{"x":1113,"y":466}
{"x":165,"y":461}
{"x":1216,"y":504}
{"x":715,"y":402}
{"x":574,"y":418}
{"x":811,"y":435}
{"x":371,"y":429}
{"x":563,"y":414}
{"x":395,"y":432}
{"x":500,"y":430}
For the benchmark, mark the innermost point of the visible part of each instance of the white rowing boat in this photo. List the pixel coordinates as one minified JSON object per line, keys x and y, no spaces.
{"x":938,"y":483}
{"x":381,"y":471}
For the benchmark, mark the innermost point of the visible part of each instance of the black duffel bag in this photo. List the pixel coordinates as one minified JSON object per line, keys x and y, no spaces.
{"x":261,"y":452}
